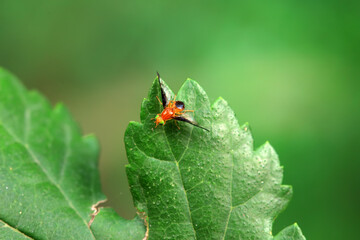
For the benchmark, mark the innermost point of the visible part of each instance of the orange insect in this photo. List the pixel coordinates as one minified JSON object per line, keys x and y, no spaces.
{"x":172,"y":110}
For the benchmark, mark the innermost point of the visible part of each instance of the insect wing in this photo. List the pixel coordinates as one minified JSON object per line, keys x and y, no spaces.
{"x":189,"y":120}
{"x":166,"y":94}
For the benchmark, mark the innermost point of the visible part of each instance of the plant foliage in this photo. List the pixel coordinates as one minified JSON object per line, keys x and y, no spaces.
{"x":48,"y":173}
{"x":189,"y":183}
{"x":194,"y":184}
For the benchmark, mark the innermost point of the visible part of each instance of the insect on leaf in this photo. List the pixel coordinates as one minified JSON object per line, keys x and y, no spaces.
{"x":194,"y":184}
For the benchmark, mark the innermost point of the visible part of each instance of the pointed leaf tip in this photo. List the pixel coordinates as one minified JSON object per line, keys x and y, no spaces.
{"x":292,"y":232}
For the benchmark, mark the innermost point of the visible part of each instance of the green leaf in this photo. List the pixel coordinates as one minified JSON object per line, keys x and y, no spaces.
{"x":7,"y":232}
{"x":48,"y":173}
{"x":292,"y":232}
{"x":195,"y":184}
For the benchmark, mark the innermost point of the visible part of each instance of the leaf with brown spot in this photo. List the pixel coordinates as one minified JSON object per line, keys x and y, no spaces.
{"x":49,"y":173}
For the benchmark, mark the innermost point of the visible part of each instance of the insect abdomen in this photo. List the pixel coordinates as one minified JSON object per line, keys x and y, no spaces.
{"x":167,"y":114}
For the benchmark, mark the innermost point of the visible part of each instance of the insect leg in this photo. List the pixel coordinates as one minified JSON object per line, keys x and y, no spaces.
{"x":189,"y":111}
{"x":184,"y":111}
{"x":159,"y":100}
{"x":177,"y":124}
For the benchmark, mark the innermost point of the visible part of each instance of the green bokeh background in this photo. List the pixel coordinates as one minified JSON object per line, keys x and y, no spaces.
{"x":289,"y":68}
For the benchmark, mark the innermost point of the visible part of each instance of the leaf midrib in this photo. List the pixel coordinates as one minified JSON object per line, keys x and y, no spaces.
{"x":14,"y":229}
{"x":32,"y":154}
{"x":181,"y":178}
{"x":178,"y":169}
{"x":36,"y":160}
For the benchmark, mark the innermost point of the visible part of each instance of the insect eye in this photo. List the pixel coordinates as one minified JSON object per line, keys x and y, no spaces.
{"x":180,"y":105}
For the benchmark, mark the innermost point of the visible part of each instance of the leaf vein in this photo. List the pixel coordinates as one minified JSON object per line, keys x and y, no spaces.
{"x":36,"y":160}
{"x":67,"y":151}
{"x":14,"y":229}
{"x":181,"y":178}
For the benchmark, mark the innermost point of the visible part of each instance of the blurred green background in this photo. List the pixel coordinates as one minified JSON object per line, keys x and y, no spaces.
{"x":290,"y":68}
